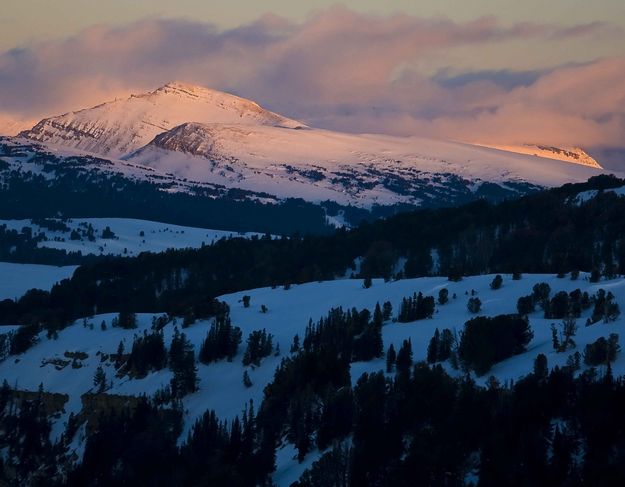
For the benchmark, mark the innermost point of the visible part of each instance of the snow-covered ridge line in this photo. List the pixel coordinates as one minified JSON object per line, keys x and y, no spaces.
{"x":574,"y":155}
{"x":125,"y":236}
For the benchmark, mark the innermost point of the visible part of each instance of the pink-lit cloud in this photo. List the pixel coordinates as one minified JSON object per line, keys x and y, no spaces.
{"x":339,"y":69}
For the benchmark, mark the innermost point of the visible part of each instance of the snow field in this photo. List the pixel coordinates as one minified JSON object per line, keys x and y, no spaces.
{"x":132,"y":236}
{"x":221,"y":387}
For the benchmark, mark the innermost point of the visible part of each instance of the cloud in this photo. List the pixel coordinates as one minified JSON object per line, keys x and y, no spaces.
{"x":338,"y":69}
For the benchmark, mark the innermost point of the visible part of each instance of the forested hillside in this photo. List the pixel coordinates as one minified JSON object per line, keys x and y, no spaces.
{"x":551,"y":231}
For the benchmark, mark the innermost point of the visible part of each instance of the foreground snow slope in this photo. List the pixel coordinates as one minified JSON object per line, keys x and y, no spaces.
{"x":131,"y":236}
{"x":221,"y":386}
{"x":16,"y":279}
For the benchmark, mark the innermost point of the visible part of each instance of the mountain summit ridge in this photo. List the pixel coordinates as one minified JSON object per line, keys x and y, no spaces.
{"x":118,"y":127}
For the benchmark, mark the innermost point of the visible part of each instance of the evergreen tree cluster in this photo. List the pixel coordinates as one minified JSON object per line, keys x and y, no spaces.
{"x":354,"y":334}
{"x":496,"y":282}
{"x":563,"y":340}
{"x":441,"y":346}
{"x":563,"y":305}
{"x":404,"y":359}
{"x":605,"y":307}
{"x":218,"y":453}
{"x":222,"y":341}
{"x":525,"y":305}
{"x":99,"y":380}
{"x":416,"y":307}
{"x":125,"y":320}
{"x":486,"y":341}
{"x":134,"y":446}
{"x":602,"y":351}
{"x":259,"y":345}
{"x":148,"y":354}
{"x":474,"y":305}
{"x":547,"y":429}
{"x":182,"y":363}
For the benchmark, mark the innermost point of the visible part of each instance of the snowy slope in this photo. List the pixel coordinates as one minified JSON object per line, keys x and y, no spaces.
{"x":585,"y":196}
{"x":318,"y":164}
{"x":27,"y":158}
{"x":131,"y":236}
{"x":121,"y":126}
{"x":574,"y":155}
{"x":16,"y":279}
{"x":221,"y":386}
{"x":202,"y":136}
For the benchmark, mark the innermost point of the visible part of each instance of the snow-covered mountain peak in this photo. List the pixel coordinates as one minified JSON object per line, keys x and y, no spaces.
{"x":122,"y":126}
{"x":178,"y":89}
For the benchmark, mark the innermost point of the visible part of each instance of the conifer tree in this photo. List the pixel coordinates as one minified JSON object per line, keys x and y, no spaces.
{"x":496,"y":282}
{"x":222,"y":341}
{"x":246,"y":379}
{"x":99,"y":379}
{"x":474,"y":305}
{"x":434,"y":345}
{"x":404,"y":357}
{"x":378,"y":317}
{"x":182,"y":363}
{"x":387,"y":310}
{"x":391,"y":357}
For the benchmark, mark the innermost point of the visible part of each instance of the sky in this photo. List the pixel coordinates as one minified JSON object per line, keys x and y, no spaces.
{"x":491,"y":71}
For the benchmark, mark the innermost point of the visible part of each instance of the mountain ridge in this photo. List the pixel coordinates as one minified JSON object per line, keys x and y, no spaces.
{"x":115,"y":128}
{"x":209,"y":137}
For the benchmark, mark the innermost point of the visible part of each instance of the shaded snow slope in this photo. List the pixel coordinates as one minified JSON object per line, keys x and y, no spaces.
{"x":16,"y":279}
{"x":588,"y":195}
{"x":131,"y":236}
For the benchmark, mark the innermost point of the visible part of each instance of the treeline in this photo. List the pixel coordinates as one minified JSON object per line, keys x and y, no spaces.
{"x":77,"y":187}
{"x":545,"y":232}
